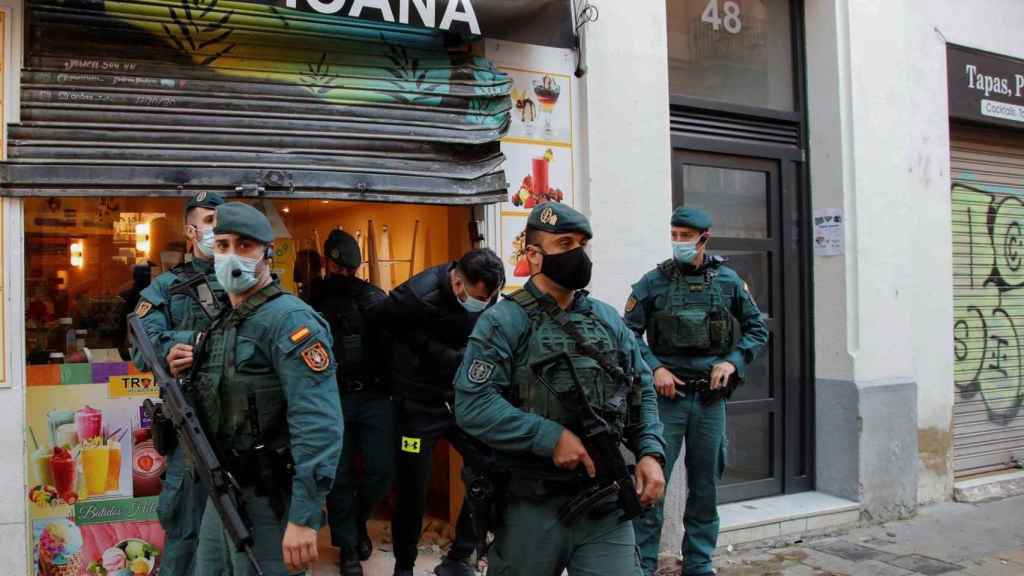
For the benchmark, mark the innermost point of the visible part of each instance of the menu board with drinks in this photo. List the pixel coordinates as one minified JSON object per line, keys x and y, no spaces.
{"x":538,"y":148}
{"x":94,"y":474}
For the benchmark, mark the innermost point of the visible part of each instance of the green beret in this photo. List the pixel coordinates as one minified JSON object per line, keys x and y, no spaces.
{"x":558,"y":219}
{"x":204,"y":200}
{"x":243,"y":220}
{"x":343,"y":249}
{"x":691,"y":218}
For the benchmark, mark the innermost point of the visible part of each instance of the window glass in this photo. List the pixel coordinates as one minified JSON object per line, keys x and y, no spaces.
{"x":738,"y":199}
{"x":736,"y":51}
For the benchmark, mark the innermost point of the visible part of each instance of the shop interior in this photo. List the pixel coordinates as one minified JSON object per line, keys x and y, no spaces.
{"x":87,"y":259}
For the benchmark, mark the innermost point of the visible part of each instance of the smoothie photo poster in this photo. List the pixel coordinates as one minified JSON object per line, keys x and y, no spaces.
{"x":93,"y":472}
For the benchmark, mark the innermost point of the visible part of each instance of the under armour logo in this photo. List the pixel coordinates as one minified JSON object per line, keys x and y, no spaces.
{"x":410,"y":445}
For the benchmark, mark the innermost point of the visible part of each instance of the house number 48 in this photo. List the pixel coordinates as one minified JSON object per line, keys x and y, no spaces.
{"x":728,"y":18}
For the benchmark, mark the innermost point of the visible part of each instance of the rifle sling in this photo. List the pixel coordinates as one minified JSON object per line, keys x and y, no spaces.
{"x":562,"y":319}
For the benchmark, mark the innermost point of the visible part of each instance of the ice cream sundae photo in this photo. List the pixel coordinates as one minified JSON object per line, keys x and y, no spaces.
{"x":130,"y":557}
{"x":60,"y":549}
{"x":547,"y":90}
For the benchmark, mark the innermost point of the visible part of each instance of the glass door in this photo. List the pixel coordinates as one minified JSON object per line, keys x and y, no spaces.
{"x":743,"y":196}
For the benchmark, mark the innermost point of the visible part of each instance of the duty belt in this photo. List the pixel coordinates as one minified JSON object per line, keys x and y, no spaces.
{"x":537,"y":484}
{"x":694,"y":386}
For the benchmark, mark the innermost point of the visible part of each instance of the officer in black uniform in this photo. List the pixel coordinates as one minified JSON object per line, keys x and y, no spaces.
{"x":344,"y":300}
{"x":429,"y":319}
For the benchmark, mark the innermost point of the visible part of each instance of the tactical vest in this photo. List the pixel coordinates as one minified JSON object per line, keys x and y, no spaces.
{"x":546,"y":338}
{"x":186,"y":312}
{"x":692,"y":318}
{"x":348,"y":328}
{"x":241,"y":400}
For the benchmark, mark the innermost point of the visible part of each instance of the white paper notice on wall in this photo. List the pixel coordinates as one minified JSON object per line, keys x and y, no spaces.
{"x":828,"y":232}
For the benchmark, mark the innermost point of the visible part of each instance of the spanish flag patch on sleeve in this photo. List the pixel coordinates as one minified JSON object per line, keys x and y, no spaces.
{"x":299,"y":335}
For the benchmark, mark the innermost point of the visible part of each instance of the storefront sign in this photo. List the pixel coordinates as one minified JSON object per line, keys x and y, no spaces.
{"x":544,"y":22}
{"x":133,"y":386}
{"x":985,"y":87}
{"x":116,"y":511}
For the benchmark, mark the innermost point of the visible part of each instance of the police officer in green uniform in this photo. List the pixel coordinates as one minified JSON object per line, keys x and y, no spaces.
{"x":370,"y":429}
{"x":174,"y":308}
{"x":686,"y":306}
{"x":267,"y":396}
{"x":501,"y":402}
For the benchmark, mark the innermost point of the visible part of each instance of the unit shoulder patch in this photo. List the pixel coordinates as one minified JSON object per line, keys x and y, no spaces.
{"x":300,"y":335}
{"x":480,"y":371}
{"x":143,"y":308}
{"x":631,"y":304}
{"x":316,"y":357}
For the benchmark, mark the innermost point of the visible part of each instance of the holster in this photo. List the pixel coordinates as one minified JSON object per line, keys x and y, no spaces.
{"x":486,"y":497}
{"x":268,"y":470}
{"x":165,"y":438}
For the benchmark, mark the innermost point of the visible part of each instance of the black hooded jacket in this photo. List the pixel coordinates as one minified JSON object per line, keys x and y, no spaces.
{"x":428,"y":329}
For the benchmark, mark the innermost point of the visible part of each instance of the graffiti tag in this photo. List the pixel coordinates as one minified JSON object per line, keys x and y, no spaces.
{"x":988,"y":264}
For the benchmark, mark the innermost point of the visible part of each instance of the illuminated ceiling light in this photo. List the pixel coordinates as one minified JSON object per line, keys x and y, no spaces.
{"x":142,"y":238}
{"x":78,"y":254}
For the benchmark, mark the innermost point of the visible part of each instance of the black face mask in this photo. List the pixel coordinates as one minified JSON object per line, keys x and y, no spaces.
{"x":570,"y":270}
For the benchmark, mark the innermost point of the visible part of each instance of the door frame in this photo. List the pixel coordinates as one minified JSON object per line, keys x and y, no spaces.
{"x":797,"y":318}
{"x":792,"y":392}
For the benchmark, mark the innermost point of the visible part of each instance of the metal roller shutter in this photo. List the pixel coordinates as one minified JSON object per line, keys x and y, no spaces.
{"x":988,"y":287}
{"x":146,"y":96}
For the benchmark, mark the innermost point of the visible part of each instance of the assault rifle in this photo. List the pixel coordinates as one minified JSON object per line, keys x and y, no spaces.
{"x":614,"y":478}
{"x":198,"y":288}
{"x":224,"y":489}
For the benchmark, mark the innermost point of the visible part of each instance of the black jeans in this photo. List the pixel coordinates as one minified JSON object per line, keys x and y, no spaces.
{"x":420,"y":427}
{"x":370,"y":430}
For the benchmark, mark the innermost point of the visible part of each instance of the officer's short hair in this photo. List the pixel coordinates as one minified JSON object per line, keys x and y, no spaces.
{"x":482,"y":265}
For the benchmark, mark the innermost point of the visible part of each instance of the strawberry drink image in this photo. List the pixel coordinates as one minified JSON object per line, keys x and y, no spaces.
{"x":88,"y":423}
{"x":536,"y":187}
{"x":60,"y":549}
{"x":63,"y":471}
{"x":541,"y":176}
{"x":147,"y":465}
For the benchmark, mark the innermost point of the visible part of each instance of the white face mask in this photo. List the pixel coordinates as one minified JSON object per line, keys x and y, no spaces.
{"x":204,"y":241}
{"x":235,"y":273}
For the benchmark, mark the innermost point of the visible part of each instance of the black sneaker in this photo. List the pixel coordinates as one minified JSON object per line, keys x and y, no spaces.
{"x":450,"y":567}
{"x":351,"y":567}
{"x":403,"y":571}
